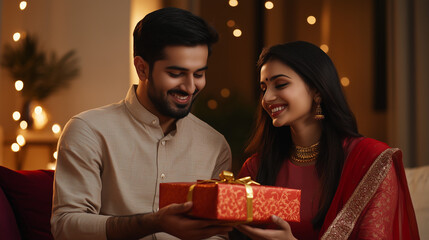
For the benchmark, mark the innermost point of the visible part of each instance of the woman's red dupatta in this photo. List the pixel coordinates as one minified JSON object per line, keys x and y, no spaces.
{"x":366,"y":162}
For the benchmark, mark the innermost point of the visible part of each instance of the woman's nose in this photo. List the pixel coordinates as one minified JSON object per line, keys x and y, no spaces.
{"x":269,"y":96}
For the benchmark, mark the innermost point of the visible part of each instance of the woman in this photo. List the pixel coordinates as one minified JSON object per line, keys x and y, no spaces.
{"x":306,"y":138}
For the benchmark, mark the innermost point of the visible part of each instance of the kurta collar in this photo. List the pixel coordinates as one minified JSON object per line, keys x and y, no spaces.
{"x":141,"y":114}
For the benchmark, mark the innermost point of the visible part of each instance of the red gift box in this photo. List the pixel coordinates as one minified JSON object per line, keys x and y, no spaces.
{"x":229,"y":202}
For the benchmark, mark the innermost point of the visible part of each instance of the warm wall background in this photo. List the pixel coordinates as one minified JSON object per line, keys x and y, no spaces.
{"x":97,"y":30}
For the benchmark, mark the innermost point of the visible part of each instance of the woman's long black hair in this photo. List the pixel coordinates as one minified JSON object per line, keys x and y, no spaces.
{"x":273,"y":144}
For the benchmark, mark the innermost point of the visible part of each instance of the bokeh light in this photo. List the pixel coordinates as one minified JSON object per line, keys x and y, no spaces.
{"x":311,"y":20}
{"x":23,"y":125}
{"x":269,"y":5}
{"x":212,"y":104}
{"x":23,"y":5}
{"x":16,"y":115}
{"x":345,"y":81}
{"x":225,"y":92}
{"x":51,"y":165}
{"x":16,"y":36}
{"x":15,"y":147}
{"x":233,"y":3}
{"x":20,"y":140}
{"x":324,"y":48}
{"x":230,"y":23}
{"x":56,"y":128}
{"x":19,"y":85}
{"x":237,"y":32}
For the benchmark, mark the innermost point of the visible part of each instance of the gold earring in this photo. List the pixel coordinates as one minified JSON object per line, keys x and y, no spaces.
{"x":318,"y":115}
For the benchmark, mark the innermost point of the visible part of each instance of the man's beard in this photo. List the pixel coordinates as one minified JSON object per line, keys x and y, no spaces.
{"x":164,"y":106}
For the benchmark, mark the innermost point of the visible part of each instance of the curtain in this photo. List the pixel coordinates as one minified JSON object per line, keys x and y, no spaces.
{"x":408,"y":79}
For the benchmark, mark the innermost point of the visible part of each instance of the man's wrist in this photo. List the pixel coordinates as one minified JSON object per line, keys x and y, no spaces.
{"x":130,"y":227}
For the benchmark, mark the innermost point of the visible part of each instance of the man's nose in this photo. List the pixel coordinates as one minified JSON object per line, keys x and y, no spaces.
{"x":188,"y":84}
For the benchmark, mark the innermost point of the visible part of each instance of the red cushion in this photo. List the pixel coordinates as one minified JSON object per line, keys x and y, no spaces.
{"x":30,"y":195}
{"x":8,"y":227}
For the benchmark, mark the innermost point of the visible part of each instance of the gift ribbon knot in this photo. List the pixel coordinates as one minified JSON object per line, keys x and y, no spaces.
{"x":228,"y":178}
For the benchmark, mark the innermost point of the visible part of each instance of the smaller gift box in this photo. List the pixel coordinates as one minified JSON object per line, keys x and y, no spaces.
{"x":230,"y":201}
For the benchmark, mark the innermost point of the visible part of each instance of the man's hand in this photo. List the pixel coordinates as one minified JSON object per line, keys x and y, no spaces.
{"x":284,"y":233}
{"x":172,"y":219}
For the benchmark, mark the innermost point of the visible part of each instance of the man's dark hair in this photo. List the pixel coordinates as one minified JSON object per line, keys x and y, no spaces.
{"x":170,"y":27}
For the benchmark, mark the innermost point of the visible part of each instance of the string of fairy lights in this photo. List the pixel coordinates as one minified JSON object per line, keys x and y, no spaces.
{"x":38,"y":114}
{"x":238,"y":32}
{"x":269,"y":5}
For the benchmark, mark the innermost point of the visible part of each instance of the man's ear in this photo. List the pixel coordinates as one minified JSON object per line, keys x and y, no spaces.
{"x":142,"y":68}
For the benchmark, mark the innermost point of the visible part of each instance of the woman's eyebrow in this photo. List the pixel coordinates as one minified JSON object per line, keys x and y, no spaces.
{"x":277,"y":76}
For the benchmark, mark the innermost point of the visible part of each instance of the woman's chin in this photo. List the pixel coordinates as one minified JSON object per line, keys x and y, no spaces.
{"x":278,"y":123}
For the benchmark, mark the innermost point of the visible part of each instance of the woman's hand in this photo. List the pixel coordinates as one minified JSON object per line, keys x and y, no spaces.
{"x":284,"y":233}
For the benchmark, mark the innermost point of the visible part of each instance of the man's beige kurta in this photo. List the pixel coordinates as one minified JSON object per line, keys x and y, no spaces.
{"x":112,"y":159}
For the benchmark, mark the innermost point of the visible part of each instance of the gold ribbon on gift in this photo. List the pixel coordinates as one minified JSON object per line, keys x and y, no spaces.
{"x":228,"y":177}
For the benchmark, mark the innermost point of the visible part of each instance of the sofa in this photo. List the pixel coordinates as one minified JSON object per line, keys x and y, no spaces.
{"x":418,"y":183}
{"x":26,"y":200}
{"x":25,"y":204}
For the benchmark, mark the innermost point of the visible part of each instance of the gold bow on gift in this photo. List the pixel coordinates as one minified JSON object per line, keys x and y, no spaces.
{"x":228,"y":177}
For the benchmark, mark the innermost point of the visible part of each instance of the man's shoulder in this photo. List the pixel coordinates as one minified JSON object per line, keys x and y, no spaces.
{"x":96,"y":120}
{"x":114,"y":109}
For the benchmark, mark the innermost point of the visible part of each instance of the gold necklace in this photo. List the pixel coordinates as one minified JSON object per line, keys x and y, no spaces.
{"x":305,"y":154}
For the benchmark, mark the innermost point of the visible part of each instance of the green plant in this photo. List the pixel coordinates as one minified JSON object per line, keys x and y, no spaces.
{"x":41,"y":73}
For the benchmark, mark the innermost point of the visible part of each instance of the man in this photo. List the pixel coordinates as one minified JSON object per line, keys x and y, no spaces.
{"x":112,"y":159}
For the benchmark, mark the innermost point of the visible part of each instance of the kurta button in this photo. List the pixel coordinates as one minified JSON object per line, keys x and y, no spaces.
{"x":163,"y":143}
{"x":163,"y":176}
{"x":154,"y":122}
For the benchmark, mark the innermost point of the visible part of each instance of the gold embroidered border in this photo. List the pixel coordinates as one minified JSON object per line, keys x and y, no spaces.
{"x":344,"y":222}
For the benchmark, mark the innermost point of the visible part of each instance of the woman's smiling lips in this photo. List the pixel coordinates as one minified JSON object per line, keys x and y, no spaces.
{"x":276,"y":109}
